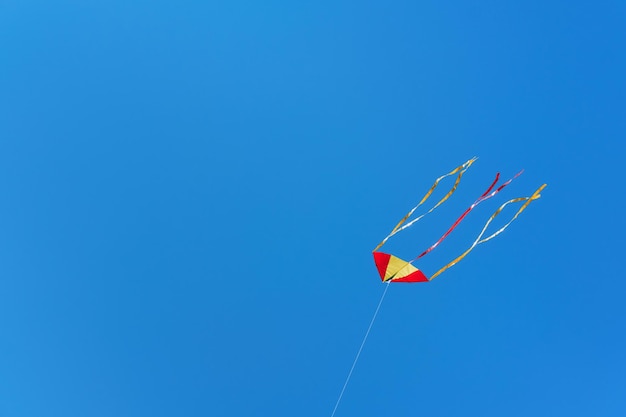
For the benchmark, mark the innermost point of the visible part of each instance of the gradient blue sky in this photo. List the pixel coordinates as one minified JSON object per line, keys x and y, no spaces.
{"x":190,"y":192}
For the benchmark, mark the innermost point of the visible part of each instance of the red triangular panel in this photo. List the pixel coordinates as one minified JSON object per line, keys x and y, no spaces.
{"x":382,"y":260}
{"x":417,"y":276}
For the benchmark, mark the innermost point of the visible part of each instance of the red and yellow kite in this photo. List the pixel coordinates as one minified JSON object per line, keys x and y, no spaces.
{"x":394,"y":269}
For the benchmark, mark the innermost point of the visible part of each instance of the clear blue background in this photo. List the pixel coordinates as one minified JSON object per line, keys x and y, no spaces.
{"x":190,"y":193}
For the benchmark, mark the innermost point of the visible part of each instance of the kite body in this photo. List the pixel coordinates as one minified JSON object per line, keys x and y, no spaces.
{"x":393,"y":269}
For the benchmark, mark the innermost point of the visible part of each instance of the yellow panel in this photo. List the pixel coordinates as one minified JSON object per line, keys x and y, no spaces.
{"x":397,"y":268}
{"x":407,"y":270}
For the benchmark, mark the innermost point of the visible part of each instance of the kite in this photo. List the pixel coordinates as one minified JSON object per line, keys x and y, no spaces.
{"x":393,"y":269}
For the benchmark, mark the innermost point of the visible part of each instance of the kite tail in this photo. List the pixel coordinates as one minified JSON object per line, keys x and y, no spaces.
{"x":485,"y":196}
{"x":460,"y":170}
{"x":480,"y":240}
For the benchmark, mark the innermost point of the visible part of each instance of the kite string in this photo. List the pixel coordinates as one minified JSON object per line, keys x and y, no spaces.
{"x":356,"y":359}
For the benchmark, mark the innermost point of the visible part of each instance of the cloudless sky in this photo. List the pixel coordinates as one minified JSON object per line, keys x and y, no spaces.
{"x":190,"y":192}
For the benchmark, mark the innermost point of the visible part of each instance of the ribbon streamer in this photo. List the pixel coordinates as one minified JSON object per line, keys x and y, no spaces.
{"x":479,"y":239}
{"x":398,"y":228}
{"x":483,"y":197}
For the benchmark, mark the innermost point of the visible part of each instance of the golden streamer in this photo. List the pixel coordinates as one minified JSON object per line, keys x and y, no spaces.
{"x":478,"y":240}
{"x":460,"y":170}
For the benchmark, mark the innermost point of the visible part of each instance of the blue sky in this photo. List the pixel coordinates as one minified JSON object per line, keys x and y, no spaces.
{"x":190,"y":193}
